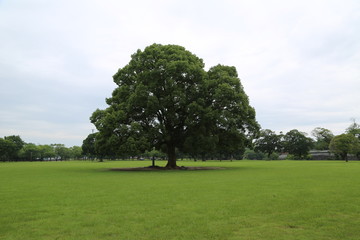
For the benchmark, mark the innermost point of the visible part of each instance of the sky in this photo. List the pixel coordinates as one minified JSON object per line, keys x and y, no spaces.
{"x":299,"y":61}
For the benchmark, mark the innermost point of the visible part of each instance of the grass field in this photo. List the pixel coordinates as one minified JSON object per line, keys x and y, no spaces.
{"x":247,"y":200}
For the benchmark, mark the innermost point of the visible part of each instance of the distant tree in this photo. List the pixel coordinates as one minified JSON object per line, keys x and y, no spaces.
{"x":62,"y":152}
{"x":17,"y":140}
{"x":14,"y":148}
{"x":323,"y":138}
{"x":153,"y":155}
{"x":354,"y":129}
{"x":253,"y":155}
{"x":268,"y":142}
{"x":345,"y":144}
{"x":88,"y":146}
{"x":18,"y":143}
{"x":7,"y":150}
{"x":297,"y":144}
{"x":46,"y":152}
{"x":75,"y":152}
{"x":164,"y":96}
{"x":30,"y":152}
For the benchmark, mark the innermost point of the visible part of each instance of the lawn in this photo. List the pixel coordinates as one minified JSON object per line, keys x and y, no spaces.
{"x":247,"y":200}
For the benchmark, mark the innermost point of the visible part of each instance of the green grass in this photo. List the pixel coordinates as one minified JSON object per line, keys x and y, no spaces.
{"x":248,"y":200}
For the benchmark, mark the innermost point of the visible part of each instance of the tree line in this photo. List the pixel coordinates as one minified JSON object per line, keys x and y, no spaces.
{"x":13,"y":148}
{"x":298,"y":145}
{"x":266,"y":146}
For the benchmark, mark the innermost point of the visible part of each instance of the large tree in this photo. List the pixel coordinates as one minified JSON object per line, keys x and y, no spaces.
{"x":165,"y":99}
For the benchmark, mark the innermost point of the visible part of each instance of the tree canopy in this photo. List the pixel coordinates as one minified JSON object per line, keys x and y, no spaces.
{"x":296,"y":143}
{"x":354,"y":129}
{"x":344,"y":144}
{"x":10,"y":147}
{"x":323,"y":138}
{"x":165,"y":99}
{"x":13,"y":148}
{"x":88,"y":146}
{"x":268,"y":142}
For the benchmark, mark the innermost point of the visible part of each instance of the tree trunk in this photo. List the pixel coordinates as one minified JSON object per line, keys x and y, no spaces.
{"x":153,"y":161}
{"x":344,"y":156}
{"x":171,"y":156}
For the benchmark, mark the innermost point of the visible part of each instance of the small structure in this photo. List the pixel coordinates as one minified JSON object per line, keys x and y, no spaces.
{"x":322,"y":155}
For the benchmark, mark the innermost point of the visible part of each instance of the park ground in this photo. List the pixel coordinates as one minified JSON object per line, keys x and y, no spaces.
{"x":247,"y":200}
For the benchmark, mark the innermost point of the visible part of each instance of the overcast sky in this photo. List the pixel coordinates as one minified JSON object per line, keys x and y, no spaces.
{"x":299,"y":61}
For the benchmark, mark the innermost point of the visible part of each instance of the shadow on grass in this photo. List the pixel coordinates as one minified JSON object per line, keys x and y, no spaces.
{"x":157,"y":168}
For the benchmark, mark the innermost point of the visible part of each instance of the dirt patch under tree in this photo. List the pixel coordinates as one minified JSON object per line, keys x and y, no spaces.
{"x":157,"y":168}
